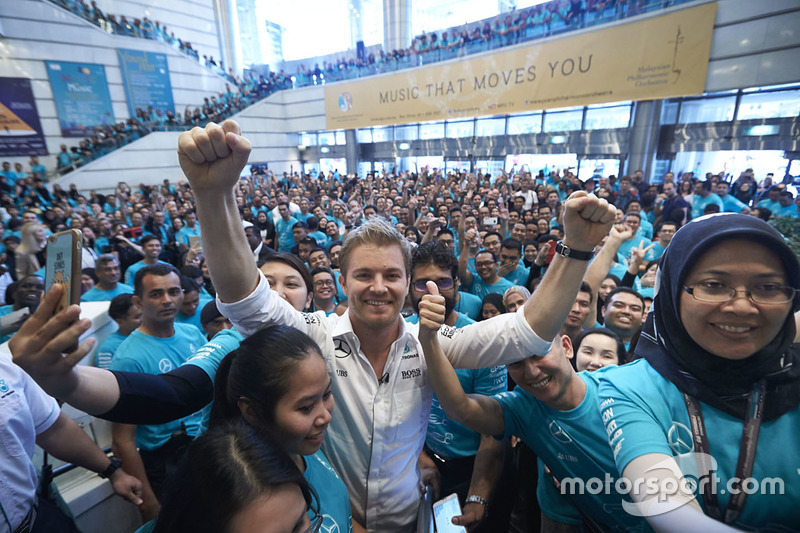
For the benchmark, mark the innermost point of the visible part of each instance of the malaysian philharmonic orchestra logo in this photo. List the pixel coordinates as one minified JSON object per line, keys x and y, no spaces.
{"x":345,"y":102}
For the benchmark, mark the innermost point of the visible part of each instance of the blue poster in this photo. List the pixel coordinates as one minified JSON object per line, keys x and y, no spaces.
{"x":146,"y":79}
{"x":20,"y":129}
{"x":81,"y":94}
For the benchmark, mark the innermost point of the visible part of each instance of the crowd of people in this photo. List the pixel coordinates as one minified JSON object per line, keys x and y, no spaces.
{"x":143,"y":28}
{"x":501,"y":337}
{"x":219,"y":107}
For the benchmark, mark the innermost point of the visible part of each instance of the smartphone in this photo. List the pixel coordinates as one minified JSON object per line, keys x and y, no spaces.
{"x":194,"y":242}
{"x":64,"y":265}
{"x":489,"y":221}
{"x":443,"y":512}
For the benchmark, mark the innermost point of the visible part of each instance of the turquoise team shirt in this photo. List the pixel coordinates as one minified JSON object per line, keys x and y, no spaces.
{"x":156,"y":355}
{"x":285,"y":235}
{"x":469,"y":305}
{"x":130,"y":274}
{"x":645,"y":413}
{"x":699,"y":204}
{"x":334,"y":500}
{"x":555,"y":505}
{"x":518,"y":276}
{"x":732,"y":204}
{"x":480,"y":289}
{"x":96,"y":294}
{"x":106,"y":351}
{"x":193,"y":320}
{"x":447,"y":438}
{"x":573,"y":444}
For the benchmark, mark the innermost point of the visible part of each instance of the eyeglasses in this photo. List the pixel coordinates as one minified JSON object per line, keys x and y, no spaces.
{"x":766,"y":293}
{"x":324,"y":283}
{"x":316,"y":523}
{"x":444,"y":284}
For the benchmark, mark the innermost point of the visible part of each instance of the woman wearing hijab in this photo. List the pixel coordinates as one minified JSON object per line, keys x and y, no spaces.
{"x":714,"y":397}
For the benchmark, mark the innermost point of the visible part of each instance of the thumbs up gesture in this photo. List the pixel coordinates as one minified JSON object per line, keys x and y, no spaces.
{"x":431,"y":310}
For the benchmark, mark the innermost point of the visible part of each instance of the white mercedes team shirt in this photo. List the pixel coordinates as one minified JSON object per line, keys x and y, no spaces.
{"x":379,"y":423}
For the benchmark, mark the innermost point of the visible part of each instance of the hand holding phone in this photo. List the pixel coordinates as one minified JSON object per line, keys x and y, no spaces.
{"x":443,"y":512}
{"x":64,"y":265}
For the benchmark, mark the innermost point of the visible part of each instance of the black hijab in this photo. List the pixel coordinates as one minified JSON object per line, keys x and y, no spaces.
{"x":724,"y":384}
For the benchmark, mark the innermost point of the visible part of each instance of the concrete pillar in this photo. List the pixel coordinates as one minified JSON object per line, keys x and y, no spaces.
{"x":396,"y":24}
{"x":643,"y":138}
{"x":351,"y":151}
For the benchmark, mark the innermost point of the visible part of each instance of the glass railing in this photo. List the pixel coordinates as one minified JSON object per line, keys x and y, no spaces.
{"x":545,"y":20}
{"x":506,"y":29}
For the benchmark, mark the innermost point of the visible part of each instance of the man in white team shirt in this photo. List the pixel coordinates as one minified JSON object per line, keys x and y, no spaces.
{"x":374,"y":358}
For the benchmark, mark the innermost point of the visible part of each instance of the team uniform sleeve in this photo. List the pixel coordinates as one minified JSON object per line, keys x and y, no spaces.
{"x":211,"y":354}
{"x":631,"y":414}
{"x":501,"y":340}
{"x":260,"y":308}
{"x":491,"y":381}
{"x":516,"y":412}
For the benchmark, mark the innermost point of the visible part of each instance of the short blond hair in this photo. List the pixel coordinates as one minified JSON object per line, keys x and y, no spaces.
{"x":374,"y":232}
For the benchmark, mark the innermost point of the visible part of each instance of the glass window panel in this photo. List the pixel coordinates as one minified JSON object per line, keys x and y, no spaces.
{"x":364,"y":136}
{"x":461,"y":166}
{"x":563,"y":121}
{"x":364,"y":168}
{"x":327,"y":138}
{"x":602,"y":167}
{"x":431,"y":130}
{"x":463,"y":128}
{"x":492,"y":167}
{"x":341,"y":138}
{"x":430,"y":162}
{"x":669,"y":112}
{"x":490,"y":126}
{"x":707,"y":110}
{"x":518,"y":125}
{"x":380,"y":135}
{"x":308,"y":139}
{"x":405,"y":133}
{"x":608,"y":117}
{"x":333,"y":164}
{"x":769,"y":105}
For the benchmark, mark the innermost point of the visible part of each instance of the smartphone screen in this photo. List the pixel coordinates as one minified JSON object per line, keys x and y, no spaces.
{"x":443,"y":512}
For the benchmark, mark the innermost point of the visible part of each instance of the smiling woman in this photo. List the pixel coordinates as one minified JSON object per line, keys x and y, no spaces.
{"x":717,"y":363}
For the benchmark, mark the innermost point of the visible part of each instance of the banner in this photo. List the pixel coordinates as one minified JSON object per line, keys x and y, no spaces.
{"x":146,"y":79}
{"x":660,"y":57}
{"x":82,"y":99}
{"x":20,"y":129}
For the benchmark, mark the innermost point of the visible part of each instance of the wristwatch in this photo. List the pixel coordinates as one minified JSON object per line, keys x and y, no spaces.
{"x":565,"y":251}
{"x":474,"y":498}
{"x":115,"y":465}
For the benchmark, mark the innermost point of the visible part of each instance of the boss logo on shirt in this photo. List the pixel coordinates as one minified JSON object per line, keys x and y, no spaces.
{"x":410,"y":374}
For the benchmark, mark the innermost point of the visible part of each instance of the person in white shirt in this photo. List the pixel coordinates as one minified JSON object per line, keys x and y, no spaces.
{"x":373,"y":357}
